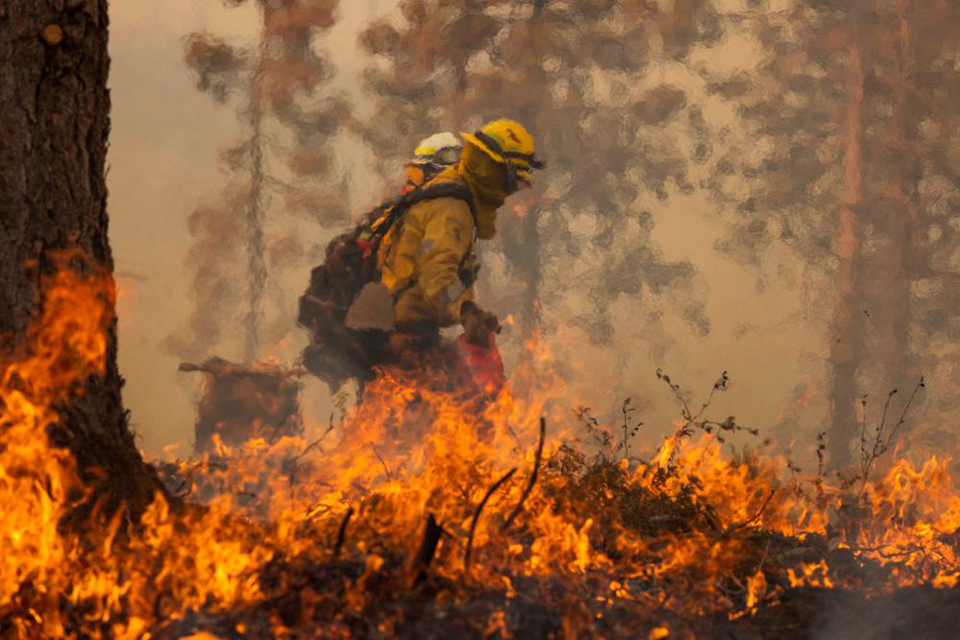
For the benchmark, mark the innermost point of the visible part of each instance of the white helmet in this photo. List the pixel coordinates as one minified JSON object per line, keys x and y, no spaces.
{"x":441,"y":149}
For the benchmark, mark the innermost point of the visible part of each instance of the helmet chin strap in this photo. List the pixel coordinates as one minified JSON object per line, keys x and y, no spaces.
{"x":510,"y":183}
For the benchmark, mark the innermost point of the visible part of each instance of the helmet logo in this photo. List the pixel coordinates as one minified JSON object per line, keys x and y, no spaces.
{"x":513,"y":136}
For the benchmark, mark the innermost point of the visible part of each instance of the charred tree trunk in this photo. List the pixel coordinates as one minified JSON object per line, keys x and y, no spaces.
{"x":54,"y":123}
{"x":847,"y":341}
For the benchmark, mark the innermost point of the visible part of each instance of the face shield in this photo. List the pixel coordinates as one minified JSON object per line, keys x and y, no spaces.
{"x":447,"y":156}
{"x":429,"y":162}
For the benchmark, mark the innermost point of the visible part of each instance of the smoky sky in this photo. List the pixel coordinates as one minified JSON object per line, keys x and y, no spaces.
{"x":686,"y":220}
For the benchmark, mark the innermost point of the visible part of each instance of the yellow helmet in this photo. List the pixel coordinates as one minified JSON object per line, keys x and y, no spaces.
{"x":508,"y":142}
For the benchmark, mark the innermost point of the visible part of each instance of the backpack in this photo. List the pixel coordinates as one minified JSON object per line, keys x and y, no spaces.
{"x":337,"y":353}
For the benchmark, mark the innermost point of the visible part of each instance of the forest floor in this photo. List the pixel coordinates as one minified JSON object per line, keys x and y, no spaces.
{"x":685,"y":574}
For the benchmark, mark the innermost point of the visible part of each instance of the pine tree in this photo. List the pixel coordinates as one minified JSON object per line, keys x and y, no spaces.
{"x":836,"y":167}
{"x":289,"y":125}
{"x":548,"y":65}
{"x":419,"y":80}
{"x":55,"y":121}
{"x":578,"y":72}
{"x":920,"y":196}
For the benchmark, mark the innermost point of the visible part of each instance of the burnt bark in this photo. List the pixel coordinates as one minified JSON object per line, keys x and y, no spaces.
{"x":54,"y":123}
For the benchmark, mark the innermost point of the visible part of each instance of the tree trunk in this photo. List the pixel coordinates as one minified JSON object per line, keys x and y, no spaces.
{"x":847,"y":339}
{"x":54,"y":123}
{"x":903,"y":217}
{"x":256,"y":263}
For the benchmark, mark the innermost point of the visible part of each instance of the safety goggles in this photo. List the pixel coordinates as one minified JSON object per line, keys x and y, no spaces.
{"x":444,"y":157}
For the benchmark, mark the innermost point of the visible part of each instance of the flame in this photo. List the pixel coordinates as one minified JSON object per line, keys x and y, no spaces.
{"x":756,"y":589}
{"x":415,"y":447}
{"x":66,"y":346}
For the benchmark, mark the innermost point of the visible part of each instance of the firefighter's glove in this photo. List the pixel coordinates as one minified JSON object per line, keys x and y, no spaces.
{"x":478,"y":324}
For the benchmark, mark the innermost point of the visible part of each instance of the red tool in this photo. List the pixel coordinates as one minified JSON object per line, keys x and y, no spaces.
{"x":480,"y":366}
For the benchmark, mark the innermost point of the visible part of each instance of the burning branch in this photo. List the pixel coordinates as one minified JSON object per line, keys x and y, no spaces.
{"x":428,"y":546}
{"x":695,"y":420}
{"x":316,"y":443}
{"x":881,"y":445}
{"x":533,"y":478}
{"x":476,"y":517}
{"x":342,"y":532}
{"x":756,"y":516}
{"x":384,"y":464}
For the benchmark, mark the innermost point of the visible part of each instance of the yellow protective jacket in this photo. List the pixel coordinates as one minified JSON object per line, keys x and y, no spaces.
{"x":422,"y":257}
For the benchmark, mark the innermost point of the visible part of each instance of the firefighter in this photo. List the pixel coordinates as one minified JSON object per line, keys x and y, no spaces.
{"x":387,"y":287}
{"x":432,"y":155}
{"x":427,"y":260}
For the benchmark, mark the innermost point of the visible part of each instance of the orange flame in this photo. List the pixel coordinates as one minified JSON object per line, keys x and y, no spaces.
{"x":413,"y":447}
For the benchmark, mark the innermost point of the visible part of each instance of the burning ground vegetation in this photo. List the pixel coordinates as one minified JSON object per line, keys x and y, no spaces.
{"x":428,"y":515}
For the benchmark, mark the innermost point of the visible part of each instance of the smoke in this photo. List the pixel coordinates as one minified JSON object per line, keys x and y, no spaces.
{"x":833,"y":174}
{"x":688,"y":214}
{"x":219,"y":236}
{"x":917,"y":612}
{"x":218,"y":66}
{"x":283,"y":158}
